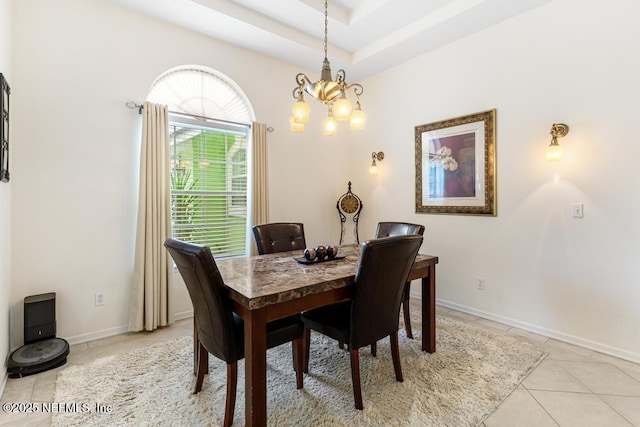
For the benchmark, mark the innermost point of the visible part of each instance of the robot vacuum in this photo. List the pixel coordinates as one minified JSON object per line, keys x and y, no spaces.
{"x":42,"y":350}
{"x":37,"y":357}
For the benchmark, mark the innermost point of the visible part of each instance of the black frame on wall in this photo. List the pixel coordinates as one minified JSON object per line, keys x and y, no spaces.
{"x":4,"y":129}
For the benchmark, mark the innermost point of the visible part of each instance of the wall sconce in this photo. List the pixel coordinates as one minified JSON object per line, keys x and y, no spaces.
{"x":554,"y":150}
{"x":373,"y":169}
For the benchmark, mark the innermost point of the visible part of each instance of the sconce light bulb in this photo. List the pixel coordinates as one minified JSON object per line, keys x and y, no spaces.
{"x":554,"y":152}
{"x":373,"y":169}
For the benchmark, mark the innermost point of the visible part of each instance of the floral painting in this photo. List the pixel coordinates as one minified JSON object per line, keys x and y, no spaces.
{"x":455,"y":165}
{"x":452,"y":167}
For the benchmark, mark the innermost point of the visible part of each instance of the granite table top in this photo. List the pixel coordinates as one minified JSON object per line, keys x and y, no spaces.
{"x":258,"y":281}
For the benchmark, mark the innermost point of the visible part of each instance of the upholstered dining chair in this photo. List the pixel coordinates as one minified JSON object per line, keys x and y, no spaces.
{"x":219,"y":330}
{"x":374,"y":311}
{"x":388,"y":229}
{"x":279,"y":237}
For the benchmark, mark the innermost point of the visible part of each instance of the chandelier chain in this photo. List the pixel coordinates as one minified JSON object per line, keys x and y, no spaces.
{"x":326,"y":24}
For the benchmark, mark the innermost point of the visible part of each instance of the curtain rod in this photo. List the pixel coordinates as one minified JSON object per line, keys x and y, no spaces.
{"x":134,"y":105}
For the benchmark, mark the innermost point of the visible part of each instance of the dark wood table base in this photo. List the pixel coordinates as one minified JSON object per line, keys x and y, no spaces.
{"x":259,"y":295}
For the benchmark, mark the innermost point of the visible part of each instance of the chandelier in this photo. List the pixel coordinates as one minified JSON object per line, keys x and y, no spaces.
{"x":331,"y":92}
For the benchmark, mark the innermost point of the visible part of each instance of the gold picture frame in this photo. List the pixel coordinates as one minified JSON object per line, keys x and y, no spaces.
{"x":456,"y":165}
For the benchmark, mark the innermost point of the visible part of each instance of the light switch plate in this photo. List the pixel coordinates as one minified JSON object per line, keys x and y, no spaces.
{"x":577,"y":210}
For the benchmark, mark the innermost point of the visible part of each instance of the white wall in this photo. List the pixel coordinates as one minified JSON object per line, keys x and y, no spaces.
{"x":5,"y":201}
{"x":76,"y":155}
{"x":569,"y":61}
{"x":74,"y":169}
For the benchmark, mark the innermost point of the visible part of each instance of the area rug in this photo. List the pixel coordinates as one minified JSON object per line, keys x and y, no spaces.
{"x":472,"y":371}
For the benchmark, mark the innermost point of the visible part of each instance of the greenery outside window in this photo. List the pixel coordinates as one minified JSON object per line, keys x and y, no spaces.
{"x":208,"y":163}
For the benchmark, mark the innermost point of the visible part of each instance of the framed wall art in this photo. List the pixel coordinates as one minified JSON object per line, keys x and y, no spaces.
{"x":456,"y":165}
{"x":4,"y":129}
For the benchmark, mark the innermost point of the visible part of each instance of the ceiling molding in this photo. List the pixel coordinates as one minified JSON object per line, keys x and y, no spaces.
{"x":364,"y":36}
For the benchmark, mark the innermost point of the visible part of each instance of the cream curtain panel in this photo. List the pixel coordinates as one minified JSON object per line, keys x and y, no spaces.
{"x":153,"y":271}
{"x":260,"y":177}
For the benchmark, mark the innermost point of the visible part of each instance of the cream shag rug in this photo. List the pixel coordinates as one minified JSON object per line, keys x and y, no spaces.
{"x":464,"y":381}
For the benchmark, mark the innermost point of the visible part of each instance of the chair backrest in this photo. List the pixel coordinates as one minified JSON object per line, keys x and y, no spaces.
{"x":211,"y":306}
{"x":279,"y":237}
{"x":383,"y":269}
{"x":388,"y":229}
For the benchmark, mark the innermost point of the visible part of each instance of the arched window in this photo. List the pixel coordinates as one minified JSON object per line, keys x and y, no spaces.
{"x":209,"y":122}
{"x":202,"y":92}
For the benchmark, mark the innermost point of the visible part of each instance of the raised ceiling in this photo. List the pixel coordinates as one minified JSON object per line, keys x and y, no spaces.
{"x":365,"y":36}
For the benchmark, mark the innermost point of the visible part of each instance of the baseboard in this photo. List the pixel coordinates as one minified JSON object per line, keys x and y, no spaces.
{"x":118,"y":330}
{"x":3,"y":381}
{"x":93,"y":336}
{"x":184,"y":315}
{"x":98,"y":335}
{"x":550,"y":333}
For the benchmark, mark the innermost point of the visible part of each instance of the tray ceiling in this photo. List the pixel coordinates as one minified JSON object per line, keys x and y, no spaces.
{"x":365,"y":36}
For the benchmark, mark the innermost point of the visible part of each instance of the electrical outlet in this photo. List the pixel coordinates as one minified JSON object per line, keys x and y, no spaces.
{"x":100,"y":300}
{"x":481,"y":285}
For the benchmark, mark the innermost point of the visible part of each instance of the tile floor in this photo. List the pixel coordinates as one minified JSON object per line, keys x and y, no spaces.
{"x":572,"y":386}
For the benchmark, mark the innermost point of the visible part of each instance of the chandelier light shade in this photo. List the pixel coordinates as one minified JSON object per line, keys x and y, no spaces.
{"x":300,"y":111}
{"x":296,"y":127}
{"x":357,"y":118}
{"x":330,"y":91}
{"x":342,"y":108}
{"x":329,"y":125}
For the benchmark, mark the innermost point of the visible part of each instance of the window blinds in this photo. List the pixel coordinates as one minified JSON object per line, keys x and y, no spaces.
{"x":209,"y":185}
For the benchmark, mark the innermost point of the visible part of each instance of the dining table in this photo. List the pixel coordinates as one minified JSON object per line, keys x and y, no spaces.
{"x":267,"y":287}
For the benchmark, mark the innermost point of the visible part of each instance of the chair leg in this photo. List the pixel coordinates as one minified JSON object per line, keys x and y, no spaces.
{"x":374,"y":349}
{"x":307,"y":345}
{"x":203,"y":362}
{"x":355,"y":378}
{"x":395,"y":354}
{"x":196,"y":350}
{"x":196,"y":347}
{"x":341,"y":345}
{"x":405,"y":309}
{"x":230,"y":405}
{"x":298,"y":349}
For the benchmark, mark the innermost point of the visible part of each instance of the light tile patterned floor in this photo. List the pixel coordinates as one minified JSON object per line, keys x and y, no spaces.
{"x":573,"y":386}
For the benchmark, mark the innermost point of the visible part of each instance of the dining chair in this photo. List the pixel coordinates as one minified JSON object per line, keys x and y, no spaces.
{"x":374,"y":311}
{"x":279,"y":237}
{"x":219,"y":330}
{"x":388,"y":229}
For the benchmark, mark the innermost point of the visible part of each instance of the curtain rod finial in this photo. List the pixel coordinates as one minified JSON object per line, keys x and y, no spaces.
{"x":134,"y":105}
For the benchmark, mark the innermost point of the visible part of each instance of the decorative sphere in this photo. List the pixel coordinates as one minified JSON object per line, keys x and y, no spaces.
{"x":321,"y":252}
{"x":332,"y":251}
{"x":309,"y":254}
